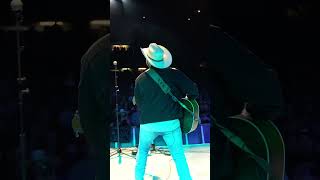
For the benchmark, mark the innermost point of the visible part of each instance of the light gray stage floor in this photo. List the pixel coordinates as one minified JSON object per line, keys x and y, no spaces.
{"x":161,"y":166}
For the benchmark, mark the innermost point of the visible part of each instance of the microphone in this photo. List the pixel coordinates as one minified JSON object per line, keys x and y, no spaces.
{"x":16,"y":5}
{"x":115,"y":75}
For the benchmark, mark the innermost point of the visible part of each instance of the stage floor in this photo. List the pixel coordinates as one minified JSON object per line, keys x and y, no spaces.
{"x":161,"y":166}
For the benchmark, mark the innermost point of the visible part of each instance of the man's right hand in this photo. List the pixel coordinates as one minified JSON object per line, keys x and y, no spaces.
{"x":134,"y":101}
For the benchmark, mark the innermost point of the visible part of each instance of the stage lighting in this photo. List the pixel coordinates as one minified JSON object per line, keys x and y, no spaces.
{"x":99,"y":24}
{"x":50,"y":23}
{"x":112,"y":1}
{"x":141,"y":69}
{"x":126,"y":69}
{"x":120,"y":47}
{"x":42,"y":25}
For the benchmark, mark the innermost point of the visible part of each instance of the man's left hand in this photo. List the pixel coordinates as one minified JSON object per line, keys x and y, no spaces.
{"x":244,"y":113}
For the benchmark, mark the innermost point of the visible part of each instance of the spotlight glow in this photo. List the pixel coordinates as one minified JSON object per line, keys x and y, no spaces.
{"x":141,"y":69}
{"x":50,"y":23}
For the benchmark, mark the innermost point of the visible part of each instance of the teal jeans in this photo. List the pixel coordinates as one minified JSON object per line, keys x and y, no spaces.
{"x":173,"y":140}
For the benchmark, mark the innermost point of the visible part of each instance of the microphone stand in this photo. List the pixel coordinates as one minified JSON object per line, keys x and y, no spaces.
{"x":119,"y":150}
{"x":156,"y":150}
{"x":17,"y":6}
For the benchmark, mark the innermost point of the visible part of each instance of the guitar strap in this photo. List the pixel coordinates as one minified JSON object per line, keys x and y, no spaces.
{"x":230,"y":135}
{"x":164,"y":87}
{"x":242,"y":145}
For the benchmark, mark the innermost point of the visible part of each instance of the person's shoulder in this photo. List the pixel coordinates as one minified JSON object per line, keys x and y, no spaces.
{"x":100,"y":47}
{"x":102,"y":44}
{"x":141,"y":76}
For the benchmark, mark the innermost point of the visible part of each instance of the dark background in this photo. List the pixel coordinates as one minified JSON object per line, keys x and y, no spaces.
{"x":51,"y":64}
{"x":282,"y":34}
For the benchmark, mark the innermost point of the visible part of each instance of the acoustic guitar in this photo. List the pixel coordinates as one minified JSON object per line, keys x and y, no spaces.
{"x":190,"y":120}
{"x":262,"y":142}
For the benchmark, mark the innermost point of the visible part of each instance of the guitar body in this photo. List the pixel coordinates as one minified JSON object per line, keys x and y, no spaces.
{"x":264,"y":140}
{"x":189,"y":122}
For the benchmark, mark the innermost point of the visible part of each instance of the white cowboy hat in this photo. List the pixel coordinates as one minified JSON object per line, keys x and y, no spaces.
{"x":157,"y":56}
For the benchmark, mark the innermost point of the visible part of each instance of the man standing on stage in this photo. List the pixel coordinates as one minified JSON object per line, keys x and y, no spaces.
{"x":159,"y":114}
{"x":94,"y":106}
